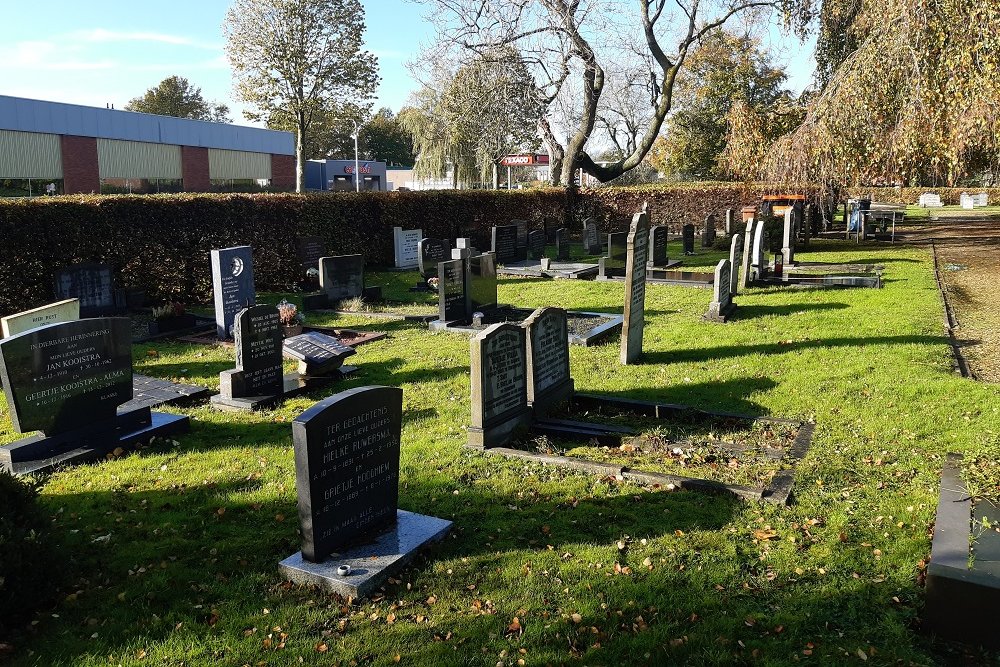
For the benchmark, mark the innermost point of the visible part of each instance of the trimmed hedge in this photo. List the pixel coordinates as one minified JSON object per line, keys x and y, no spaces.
{"x":910,"y":196}
{"x":160,"y":243}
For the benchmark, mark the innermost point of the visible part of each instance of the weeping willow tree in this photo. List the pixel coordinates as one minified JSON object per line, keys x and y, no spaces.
{"x":910,"y":94}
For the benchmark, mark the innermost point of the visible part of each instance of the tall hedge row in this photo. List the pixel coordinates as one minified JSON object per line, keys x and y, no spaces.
{"x":949,"y":196}
{"x":161,"y":243}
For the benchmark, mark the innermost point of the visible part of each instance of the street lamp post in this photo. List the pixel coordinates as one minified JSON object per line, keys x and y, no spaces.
{"x":357,"y":173}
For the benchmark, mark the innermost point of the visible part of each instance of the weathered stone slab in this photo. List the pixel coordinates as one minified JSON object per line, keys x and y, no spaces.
{"x":547,"y":338}
{"x":635,"y":289}
{"x":94,"y":286}
{"x":66,"y":310}
{"x":404,"y":243}
{"x":498,"y":359}
{"x":505,"y":243}
{"x":722,"y":307}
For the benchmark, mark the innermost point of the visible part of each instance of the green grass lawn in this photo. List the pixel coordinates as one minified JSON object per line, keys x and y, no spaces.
{"x":171,"y":553}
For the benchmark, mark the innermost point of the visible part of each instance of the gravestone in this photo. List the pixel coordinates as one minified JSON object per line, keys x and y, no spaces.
{"x":498,"y":357}
{"x":687,"y":237}
{"x":453,"y":296}
{"x":788,"y":238}
{"x":67,"y":381}
{"x":658,"y":246}
{"x":258,"y":378}
{"x":613,"y":266}
{"x":505,"y":244}
{"x":722,"y":306}
{"x":317,"y":353}
{"x":522,"y":235}
{"x":93,"y":285}
{"x":591,"y":237}
{"x":708,"y":235}
{"x":405,"y":242}
{"x":730,"y":221}
{"x":309,"y":249}
{"x":66,"y":310}
{"x":547,"y":337}
{"x":761,"y":242}
{"x":982,"y":199}
{"x":735,"y":262}
{"x":342,"y":277}
{"x":635,"y":289}
{"x":354,"y":536}
{"x":746,"y":270}
{"x":536,"y":244}
{"x":482,"y":283}
{"x":430,"y":253}
{"x":562,"y":244}
{"x":803,"y":229}
{"x":232,"y":285}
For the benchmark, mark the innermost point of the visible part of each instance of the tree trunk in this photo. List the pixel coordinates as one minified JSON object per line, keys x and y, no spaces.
{"x":300,"y":150}
{"x":556,"y":152}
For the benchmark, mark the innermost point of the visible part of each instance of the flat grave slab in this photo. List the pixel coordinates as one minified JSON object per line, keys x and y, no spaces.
{"x":585,"y":328}
{"x":532,"y":268}
{"x":149,"y":392}
{"x":349,"y":337}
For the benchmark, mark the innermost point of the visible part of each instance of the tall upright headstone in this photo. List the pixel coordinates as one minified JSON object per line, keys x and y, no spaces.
{"x":758,"y":251}
{"x":635,"y":289}
{"x":499,"y":385}
{"x":591,"y":237}
{"x":687,"y":238}
{"x":342,"y":277}
{"x":722,"y":307}
{"x":562,"y":244}
{"x":430,"y":252}
{"x":505,"y":244}
{"x":453,"y":291}
{"x":730,"y":221}
{"x":735,"y":262}
{"x":258,"y":373}
{"x":658,"y":246}
{"x":66,"y":310}
{"x":613,"y":266}
{"x":232,"y":286}
{"x":549,"y":381}
{"x":405,"y":242}
{"x":536,"y":244}
{"x":708,"y":235}
{"x":522,"y":234}
{"x":94,"y":286}
{"x":788,"y":238}
{"x":482,"y":283}
{"x":309,"y":249}
{"x":354,"y":536}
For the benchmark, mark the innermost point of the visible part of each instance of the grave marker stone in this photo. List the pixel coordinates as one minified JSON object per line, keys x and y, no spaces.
{"x":522,"y":233}
{"x":505,"y":243}
{"x":317,"y":353}
{"x":708,"y":235}
{"x":614,"y":264}
{"x":549,"y":381}
{"x":342,"y":277}
{"x":635,"y":289}
{"x":536,"y":244}
{"x":687,"y":237}
{"x":66,"y":310}
{"x":232,"y":286}
{"x":431,"y":252}
{"x":759,"y":251}
{"x":499,"y":385}
{"x":258,"y":373}
{"x":93,"y":285}
{"x":735,"y":262}
{"x":309,"y":249}
{"x":453,"y":293}
{"x":591,"y":237}
{"x":658,"y":246}
{"x":482,"y":283}
{"x":562,"y":244}
{"x":730,"y":221}
{"x":405,"y":244}
{"x":788,"y":238}
{"x":722,"y":306}
{"x":746,"y":270}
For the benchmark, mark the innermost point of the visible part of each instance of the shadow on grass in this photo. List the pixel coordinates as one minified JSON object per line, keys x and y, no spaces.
{"x":729,"y":393}
{"x":752,"y":312}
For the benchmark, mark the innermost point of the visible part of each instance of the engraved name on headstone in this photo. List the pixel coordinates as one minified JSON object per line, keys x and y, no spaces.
{"x":722,"y":307}
{"x":505,"y":243}
{"x":258,"y":372}
{"x":232,"y":285}
{"x":562,"y":244}
{"x":405,"y":244}
{"x":536,"y":244}
{"x":549,"y":381}
{"x":93,"y":285}
{"x":309,"y":249}
{"x":635,"y":289}
{"x":342,"y":277}
{"x":317,"y":353}
{"x":453,"y":293}
{"x":591,"y":237}
{"x":429,"y":253}
{"x":658,"y":246}
{"x":499,"y":384}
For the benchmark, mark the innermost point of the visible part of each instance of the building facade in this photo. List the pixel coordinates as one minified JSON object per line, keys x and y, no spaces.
{"x":339,"y":175}
{"x":84,"y":148}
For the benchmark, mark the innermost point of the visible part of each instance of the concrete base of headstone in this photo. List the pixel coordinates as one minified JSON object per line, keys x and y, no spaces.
{"x":372,"y":563}
{"x":499,"y":435}
{"x":554,"y":397}
{"x":718,"y":314}
{"x":295,"y":384}
{"x":320,"y":301}
{"x":39,"y":453}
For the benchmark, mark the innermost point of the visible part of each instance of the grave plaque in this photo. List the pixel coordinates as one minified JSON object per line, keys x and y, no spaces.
{"x":431,"y":252}
{"x":687,"y":236}
{"x":562,"y":244}
{"x":257,"y":331}
{"x":722,"y":306}
{"x":614,"y":264}
{"x":746,"y":276}
{"x":536,"y":244}
{"x":232,"y":285}
{"x":53,"y":313}
{"x":482,"y":283}
{"x":708,"y":236}
{"x":505,"y":244}
{"x":735,"y":262}
{"x":658,"y":246}
{"x":499,"y":385}
{"x":347,"y":467}
{"x":309,"y":249}
{"x":591,"y":237}
{"x":788,"y":238}
{"x":405,"y":243}
{"x":549,"y":381}
{"x":452,"y":291}
{"x":93,"y":285}
{"x":635,"y":289}
{"x":317,"y":353}
{"x":342,"y":277}
{"x":522,"y":232}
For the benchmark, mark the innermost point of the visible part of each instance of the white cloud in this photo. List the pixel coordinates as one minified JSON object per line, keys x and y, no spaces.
{"x":101,"y":35}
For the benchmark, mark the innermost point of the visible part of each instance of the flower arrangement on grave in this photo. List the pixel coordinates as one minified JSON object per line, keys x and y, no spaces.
{"x":291,"y":319}
{"x":432,"y":282}
{"x":168,"y":310}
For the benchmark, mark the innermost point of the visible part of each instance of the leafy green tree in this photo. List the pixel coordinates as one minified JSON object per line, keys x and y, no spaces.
{"x":296,"y":60}
{"x":384,"y":138}
{"x":176,"y":96}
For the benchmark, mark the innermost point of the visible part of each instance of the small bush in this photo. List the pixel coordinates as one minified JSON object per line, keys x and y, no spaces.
{"x":27,"y":572}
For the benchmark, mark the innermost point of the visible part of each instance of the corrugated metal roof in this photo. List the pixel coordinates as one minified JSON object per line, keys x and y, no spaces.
{"x":26,"y":115}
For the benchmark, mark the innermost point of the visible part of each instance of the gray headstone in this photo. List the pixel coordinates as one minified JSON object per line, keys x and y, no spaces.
{"x":722,"y":306}
{"x":730,"y":221}
{"x":93,"y":285}
{"x":347,"y":468}
{"x":482,"y":283}
{"x":536,"y":244}
{"x":549,"y":381}
{"x":635,"y":289}
{"x":591,"y":237}
{"x":562,"y":244}
{"x":788,"y":238}
{"x":66,"y":310}
{"x":309,"y":249}
{"x":746,"y":270}
{"x":464,"y":242}
{"x":258,"y":372}
{"x":342,"y":276}
{"x":453,"y":295}
{"x":499,"y":385}
{"x":614,"y":263}
{"x":735,"y":262}
{"x":708,"y":235}
{"x":505,"y":243}
{"x":759,"y":251}
{"x":658,"y":245}
{"x":405,"y":244}
{"x":687,"y":237}
{"x":431,"y":252}
{"x":232,"y":285}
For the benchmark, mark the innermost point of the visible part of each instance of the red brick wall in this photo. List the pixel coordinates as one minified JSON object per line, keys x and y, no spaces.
{"x":282,"y":172}
{"x":79,"y":162}
{"x":194,"y":169}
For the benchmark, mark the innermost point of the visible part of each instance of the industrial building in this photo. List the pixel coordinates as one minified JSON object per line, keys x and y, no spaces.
{"x":68,"y":148}
{"x":339,"y":175}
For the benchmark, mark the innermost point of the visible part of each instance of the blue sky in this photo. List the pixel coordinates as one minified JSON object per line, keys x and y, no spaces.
{"x":96,"y":53}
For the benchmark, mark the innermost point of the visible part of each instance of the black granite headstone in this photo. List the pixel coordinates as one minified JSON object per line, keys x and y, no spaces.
{"x":93,"y":285}
{"x":562,"y":244}
{"x":429,"y":253}
{"x":505,"y":244}
{"x":536,"y":244}
{"x":342,"y":277}
{"x":614,"y":264}
{"x":453,"y":293}
{"x":522,"y":232}
{"x":347,"y":468}
{"x":309,"y":249}
{"x":257,"y":331}
{"x":658,"y":246}
{"x":708,"y":235}
{"x":591,"y":238}
{"x":687,"y":236}
{"x":317,"y":353}
{"x":232,"y":284}
{"x":482,"y":283}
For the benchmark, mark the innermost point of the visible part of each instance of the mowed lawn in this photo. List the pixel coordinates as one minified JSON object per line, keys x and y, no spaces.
{"x":171,"y":553}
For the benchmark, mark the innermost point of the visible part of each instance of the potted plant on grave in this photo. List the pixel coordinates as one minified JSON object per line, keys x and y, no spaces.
{"x":311,"y":281}
{"x":291,"y":319}
{"x":170,"y":317}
